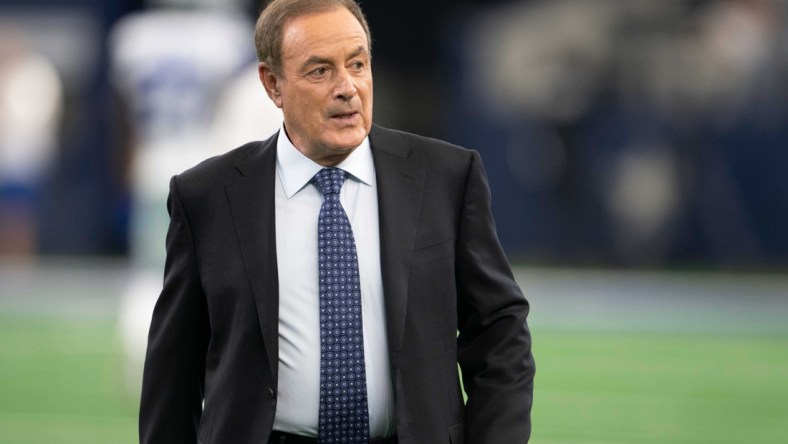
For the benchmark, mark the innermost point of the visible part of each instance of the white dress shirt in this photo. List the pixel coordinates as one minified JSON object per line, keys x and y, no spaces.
{"x":297,"y":207}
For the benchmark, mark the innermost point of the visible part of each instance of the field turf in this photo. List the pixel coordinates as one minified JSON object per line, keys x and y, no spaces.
{"x":61,"y":383}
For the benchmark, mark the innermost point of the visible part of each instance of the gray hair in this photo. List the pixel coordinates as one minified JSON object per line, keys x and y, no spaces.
{"x":272,"y":21}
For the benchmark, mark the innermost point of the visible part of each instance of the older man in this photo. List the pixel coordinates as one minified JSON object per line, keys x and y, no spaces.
{"x":315,"y":282}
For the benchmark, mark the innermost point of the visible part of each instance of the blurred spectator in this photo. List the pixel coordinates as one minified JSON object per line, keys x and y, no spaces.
{"x":185,"y":76}
{"x":244,"y":112}
{"x":81,"y":207}
{"x":169,"y":65}
{"x":31,"y":102}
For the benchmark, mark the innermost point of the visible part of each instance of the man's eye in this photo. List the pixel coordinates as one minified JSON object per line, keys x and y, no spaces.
{"x":358,"y":65}
{"x":319,"y":72}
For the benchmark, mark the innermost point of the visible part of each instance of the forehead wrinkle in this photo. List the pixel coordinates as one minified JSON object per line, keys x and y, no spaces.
{"x":296,"y":31}
{"x":304,"y":45}
{"x":321,"y":60}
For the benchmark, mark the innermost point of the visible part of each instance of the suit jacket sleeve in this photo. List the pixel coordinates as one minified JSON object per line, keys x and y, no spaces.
{"x":173,"y":381}
{"x":494,"y":344}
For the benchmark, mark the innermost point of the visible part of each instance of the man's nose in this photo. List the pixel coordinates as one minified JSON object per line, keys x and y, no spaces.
{"x":345,"y":88}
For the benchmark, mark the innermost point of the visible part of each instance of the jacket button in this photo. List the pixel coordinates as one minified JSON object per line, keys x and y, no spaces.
{"x":271,"y":392}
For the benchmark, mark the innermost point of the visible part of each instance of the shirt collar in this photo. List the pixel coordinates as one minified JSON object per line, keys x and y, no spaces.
{"x":296,"y":170}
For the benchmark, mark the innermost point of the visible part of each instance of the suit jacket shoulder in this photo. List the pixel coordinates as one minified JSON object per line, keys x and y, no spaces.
{"x":438,"y":158}
{"x":402,"y":143}
{"x":218,"y":170}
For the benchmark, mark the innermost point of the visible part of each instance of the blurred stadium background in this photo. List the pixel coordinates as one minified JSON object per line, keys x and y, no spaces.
{"x":636,"y":152}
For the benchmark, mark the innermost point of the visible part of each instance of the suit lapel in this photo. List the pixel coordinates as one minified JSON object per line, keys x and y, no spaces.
{"x":400,"y":181}
{"x":251,"y":199}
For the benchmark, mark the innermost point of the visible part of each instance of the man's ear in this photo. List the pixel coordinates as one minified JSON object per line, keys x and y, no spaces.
{"x":270,"y":83}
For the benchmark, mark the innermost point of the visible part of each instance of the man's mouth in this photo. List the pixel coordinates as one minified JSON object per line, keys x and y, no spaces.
{"x":345,"y":116}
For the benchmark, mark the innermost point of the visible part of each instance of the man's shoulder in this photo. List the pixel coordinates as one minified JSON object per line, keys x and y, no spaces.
{"x":387,"y":137}
{"x":218,"y":170}
{"x":437,"y":153}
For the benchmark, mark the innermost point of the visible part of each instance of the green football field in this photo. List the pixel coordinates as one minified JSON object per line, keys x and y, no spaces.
{"x":61,"y":383}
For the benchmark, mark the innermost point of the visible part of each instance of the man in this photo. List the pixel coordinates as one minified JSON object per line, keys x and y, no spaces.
{"x":315,"y":282}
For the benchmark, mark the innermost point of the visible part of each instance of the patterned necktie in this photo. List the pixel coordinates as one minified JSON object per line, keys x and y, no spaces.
{"x":344,"y":417}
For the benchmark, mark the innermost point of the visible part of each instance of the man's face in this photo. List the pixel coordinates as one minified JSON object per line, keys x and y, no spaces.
{"x":325,"y":90}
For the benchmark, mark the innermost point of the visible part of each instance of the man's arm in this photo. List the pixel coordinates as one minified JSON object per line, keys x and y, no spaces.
{"x":494,"y":345}
{"x":174,"y":376}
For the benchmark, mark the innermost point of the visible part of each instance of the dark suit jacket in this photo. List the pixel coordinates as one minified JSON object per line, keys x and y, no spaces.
{"x":214,"y":331}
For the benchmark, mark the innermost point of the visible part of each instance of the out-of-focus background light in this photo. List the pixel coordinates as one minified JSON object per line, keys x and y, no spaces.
{"x":636,"y":152}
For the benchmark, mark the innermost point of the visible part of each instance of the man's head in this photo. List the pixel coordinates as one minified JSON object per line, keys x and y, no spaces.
{"x":315,"y":64}
{"x":272,"y":21}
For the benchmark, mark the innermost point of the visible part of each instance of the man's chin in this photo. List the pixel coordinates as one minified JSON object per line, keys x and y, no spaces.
{"x":348,"y":141}
{"x":342,"y":150}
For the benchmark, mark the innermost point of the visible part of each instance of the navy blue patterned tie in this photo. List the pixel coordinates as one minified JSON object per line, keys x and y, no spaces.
{"x":344,"y":417}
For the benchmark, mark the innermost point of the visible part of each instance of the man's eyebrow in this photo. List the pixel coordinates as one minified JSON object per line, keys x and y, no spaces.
{"x":359,"y":51}
{"x":319,"y":60}
{"x":316,"y":60}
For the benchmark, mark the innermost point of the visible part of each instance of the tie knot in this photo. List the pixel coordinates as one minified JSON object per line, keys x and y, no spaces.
{"x":329,"y":180}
